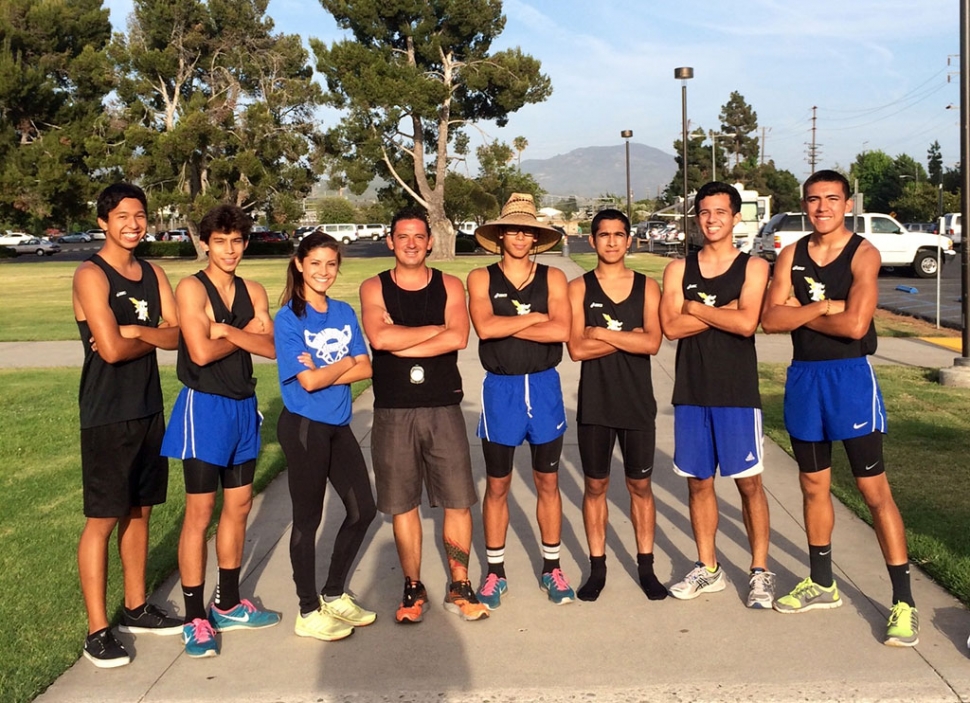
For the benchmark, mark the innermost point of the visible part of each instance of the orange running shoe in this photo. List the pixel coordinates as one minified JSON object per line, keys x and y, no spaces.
{"x":461,"y":600}
{"x":413,"y":604}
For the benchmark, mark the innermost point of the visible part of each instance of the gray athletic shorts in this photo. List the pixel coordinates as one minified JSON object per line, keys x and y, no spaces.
{"x":415,"y":446}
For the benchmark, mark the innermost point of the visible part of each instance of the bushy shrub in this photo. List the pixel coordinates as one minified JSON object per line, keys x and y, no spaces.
{"x":465,"y":245}
{"x":270,"y":248}
{"x":155,"y":250}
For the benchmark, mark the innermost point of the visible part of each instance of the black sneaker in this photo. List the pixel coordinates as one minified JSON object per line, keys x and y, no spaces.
{"x":149,"y":619}
{"x":104,"y":651}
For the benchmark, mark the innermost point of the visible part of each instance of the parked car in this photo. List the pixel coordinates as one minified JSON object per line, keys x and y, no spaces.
{"x":174,"y":235}
{"x":372,"y":232}
{"x":953,"y":226}
{"x":897,"y":246}
{"x":345,"y":233}
{"x":74,"y":238}
{"x":929,"y":227}
{"x":96,"y":234}
{"x":264,"y":235}
{"x":35,"y":245}
{"x":303,"y":231}
{"x":10,"y":238}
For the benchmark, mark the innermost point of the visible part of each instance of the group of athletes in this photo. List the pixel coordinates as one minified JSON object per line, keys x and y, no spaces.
{"x":416,"y":319}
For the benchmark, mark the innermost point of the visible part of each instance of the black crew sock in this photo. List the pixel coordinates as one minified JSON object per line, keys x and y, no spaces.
{"x":496,"y":560}
{"x":820,"y":562}
{"x":590,"y":590}
{"x":902,"y":591}
{"x":227,"y":590}
{"x":550,"y":557}
{"x":194,"y":602}
{"x":648,"y":580}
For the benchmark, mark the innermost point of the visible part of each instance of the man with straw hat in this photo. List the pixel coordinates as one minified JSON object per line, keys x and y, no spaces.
{"x":520,"y":310}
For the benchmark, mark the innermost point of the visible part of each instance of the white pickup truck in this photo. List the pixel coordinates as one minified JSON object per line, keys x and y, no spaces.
{"x":897,"y":246}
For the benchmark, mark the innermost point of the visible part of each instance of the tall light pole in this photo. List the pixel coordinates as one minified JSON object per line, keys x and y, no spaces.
{"x":628,"y":134}
{"x":684,"y":74}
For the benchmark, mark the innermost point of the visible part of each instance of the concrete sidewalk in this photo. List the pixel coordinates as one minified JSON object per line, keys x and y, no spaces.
{"x":620,"y":648}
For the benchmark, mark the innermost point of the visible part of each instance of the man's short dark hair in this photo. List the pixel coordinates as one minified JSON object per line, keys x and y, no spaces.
{"x":225,"y":219}
{"x":828,"y":176}
{"x":112,"y":196}
{"x":609,"y":214}
{"x":410,"y":213}
{"x":718,"y":188}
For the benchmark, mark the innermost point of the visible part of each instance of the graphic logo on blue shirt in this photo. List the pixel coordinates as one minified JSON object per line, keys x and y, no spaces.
{"x":331,"y":345}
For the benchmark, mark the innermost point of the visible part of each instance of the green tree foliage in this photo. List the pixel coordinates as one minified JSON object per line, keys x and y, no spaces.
{"x":215,"y":107}
{"x":499,"y":177}
{"x":413,"y":75}
{"x":334,"y":210}
{"x":53,"y":77}
{"x":465,"y":199}
{"x":878,"y":180}
{"x":698,"y":166}
{"x":740,"y":119}
{"x":934,"y":163}
{"x":520,"y":144}
{"x":918,"y":202}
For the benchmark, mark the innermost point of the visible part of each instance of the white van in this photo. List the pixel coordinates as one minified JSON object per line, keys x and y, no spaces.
{"x":344,"y":233}
{"x":953,"y":226}
{"x":466,"y":228}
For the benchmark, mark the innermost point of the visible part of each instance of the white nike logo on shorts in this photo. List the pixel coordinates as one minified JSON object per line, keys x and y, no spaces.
{"x":872,"y":466}
{"x":859,"y":425}
{"x":559,"y":426}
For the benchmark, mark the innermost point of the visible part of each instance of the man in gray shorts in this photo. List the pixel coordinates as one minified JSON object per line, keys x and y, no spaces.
{"x":415,"y":319}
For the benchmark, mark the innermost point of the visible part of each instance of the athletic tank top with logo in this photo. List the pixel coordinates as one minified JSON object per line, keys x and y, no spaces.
{"x":616,"y":390}
{"x":425,"y":382}
{"x":127,"y":390}
{"x":716,"y":368}
{"x":510,"y":356}
{"x":232,"y":375}
{"x":811,"y":283}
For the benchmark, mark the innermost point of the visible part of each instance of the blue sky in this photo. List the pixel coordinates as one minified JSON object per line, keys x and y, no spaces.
{"x":876,"y":69}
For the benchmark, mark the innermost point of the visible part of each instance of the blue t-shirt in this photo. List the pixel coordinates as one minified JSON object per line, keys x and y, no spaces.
{"x":329,"y":337}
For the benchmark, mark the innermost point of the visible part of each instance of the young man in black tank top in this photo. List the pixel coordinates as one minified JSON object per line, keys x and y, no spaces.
{"x":831,"y":393}
{"x":123,"y":473}
{"x":416,"y":321}
{"x":711,"y":304}
{"x":520,"y":310}
{"x":615,"y":330}
{"x":215,"y":425}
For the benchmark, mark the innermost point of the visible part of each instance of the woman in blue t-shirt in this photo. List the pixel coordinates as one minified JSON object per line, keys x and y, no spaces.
{"x":320,"y":351}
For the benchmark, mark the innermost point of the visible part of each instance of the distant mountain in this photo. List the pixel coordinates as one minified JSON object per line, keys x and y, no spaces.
{"x":592,"y":171}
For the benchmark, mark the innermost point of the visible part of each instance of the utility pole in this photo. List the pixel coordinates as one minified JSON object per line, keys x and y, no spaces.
{"x":813,"y":148}
{"x":764,"y":137}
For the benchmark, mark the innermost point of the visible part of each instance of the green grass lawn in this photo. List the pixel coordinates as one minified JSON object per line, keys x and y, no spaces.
{"x":41,"y":520}
{"x":927,"y":464}
{"x":40,"y":492}
{"x":37,"y":296}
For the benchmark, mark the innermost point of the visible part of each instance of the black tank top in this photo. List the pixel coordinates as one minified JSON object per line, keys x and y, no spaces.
{"x":812,"y":283}
{"x":426,"y":382}
{"x":232,"y":375}
{"x":127,"y":390}
{"x":510,"y":356}
{"x":716,"y":368}
{"x":616,"y":390}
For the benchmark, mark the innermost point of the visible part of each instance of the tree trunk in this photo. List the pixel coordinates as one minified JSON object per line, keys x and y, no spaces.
{"x":200,"y":254}
{"x":442,"y":231}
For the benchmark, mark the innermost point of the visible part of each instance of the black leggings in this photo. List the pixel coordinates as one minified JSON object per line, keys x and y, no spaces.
{"x":315,"y":453}
{"x":499,"y":457}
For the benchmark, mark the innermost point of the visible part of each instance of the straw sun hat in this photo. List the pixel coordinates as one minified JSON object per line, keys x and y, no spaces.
{"x":519,"y":211}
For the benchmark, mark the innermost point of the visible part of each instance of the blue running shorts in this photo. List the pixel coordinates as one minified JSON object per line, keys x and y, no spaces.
{"x":520,"y":408}
{"x":216,"y":429}
{"x":833,"y":400}
{"x":708,"y":439}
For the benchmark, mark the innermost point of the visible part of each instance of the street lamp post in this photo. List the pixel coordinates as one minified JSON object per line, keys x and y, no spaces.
{"x":627,"y":134}
{"x":684,"y":74}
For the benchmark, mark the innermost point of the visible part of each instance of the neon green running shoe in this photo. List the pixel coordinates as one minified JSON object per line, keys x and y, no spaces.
{"x":903,"y":627}
{"x":808,"y":595}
